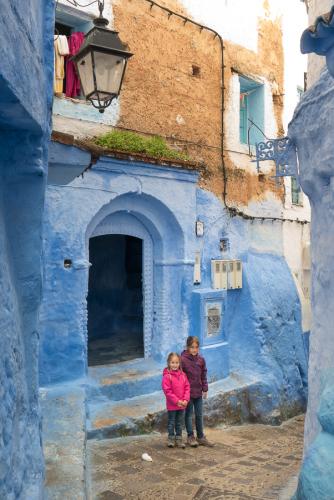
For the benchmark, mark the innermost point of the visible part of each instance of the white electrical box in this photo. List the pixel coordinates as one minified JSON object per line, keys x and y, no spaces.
{"x":226,"y":274}
{"x":223,"y":279}
{"x":230,"y":275}
{"x":215,"y":274}
{"x":219,"y":274}
{"x":197,"y":268}
{"x":238,"y":274}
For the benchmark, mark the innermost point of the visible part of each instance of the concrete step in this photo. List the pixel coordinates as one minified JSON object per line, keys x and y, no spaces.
{"x":229,"y":402}
{"x":123,"y":380}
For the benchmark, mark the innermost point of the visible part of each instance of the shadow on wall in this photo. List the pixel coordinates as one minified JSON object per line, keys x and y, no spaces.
{"x":26,"y":78}
{"x":265,"y":334}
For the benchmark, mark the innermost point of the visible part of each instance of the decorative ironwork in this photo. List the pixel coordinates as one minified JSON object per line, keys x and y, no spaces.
{"x":282,"y":151}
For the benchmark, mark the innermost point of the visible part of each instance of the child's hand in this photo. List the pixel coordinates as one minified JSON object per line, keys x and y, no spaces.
{"x":185,"y":403}
{"x":205,"y":395}
{"x":182,"y":403}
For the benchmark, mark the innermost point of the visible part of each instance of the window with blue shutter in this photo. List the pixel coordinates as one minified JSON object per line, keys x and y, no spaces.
{"x":251,"y":108}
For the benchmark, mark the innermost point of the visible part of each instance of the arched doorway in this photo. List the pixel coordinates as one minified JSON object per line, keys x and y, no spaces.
{"x":163,"y":264}
{"x":121,"y":250}
{"x":115,"y":299}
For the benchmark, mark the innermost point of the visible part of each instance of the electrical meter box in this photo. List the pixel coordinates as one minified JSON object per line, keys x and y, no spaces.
{"x":207,"y":321}
{"x":238,"y":274}
{"x":197,"y":268}
{"x":226,"y":274}
{"x":219,"y":274}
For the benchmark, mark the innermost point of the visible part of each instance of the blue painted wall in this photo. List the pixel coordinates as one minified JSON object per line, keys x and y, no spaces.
{"x":120,"y":198}
{"x":311,"y":129}
{"x":26,"y":72}
{"x":261,"y":332}
{"x":262,"y":322}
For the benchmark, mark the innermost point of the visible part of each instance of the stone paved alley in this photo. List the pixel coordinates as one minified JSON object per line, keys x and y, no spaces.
{"x":248,"y":462}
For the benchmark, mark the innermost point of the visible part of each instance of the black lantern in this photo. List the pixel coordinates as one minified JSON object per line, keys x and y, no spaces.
{"x":101,"y":63}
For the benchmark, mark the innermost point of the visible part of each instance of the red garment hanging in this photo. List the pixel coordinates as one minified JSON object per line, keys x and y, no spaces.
{"x":72,"y":79}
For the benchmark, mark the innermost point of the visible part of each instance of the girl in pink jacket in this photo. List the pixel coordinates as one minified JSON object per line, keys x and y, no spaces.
{"x":177,"y":391}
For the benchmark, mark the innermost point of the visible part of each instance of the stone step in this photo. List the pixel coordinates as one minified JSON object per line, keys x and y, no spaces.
{"x":123,"y":380}
{"x":232,"y":401}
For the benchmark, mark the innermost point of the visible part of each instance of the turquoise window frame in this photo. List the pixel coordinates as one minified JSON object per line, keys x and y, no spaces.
{"x":251,"y":107}
{"x":73,"y":18}
{"x":243,"y":119}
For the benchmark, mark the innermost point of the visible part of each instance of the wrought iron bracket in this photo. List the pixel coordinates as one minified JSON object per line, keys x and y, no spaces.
{"x":283,"y":152}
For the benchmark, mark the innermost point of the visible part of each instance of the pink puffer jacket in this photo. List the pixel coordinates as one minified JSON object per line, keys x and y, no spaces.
{"x":176,"y":387}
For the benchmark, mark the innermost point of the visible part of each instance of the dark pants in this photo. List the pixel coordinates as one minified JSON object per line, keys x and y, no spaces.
{"x":197,"y":404}
{"x":175,"y":423}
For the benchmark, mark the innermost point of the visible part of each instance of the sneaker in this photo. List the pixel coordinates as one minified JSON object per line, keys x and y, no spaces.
{"x":204,"y":442}
{"x":171,"y":443}
{"x":191,"y":441}
{"x":179,"y":443}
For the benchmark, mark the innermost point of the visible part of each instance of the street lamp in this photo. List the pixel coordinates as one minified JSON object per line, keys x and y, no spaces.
{"x":101,"y":63}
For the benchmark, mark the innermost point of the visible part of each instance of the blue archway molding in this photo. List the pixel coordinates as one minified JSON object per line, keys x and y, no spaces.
{"x":147,"y":218}
{"x":156,"y":217}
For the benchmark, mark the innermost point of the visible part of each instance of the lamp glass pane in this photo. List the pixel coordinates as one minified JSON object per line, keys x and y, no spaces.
{"x":109,"y":69}
{"x":85,"y":69}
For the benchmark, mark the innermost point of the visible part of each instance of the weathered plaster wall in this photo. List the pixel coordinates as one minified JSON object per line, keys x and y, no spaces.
{"x":187,"y":108}
{"x":26,"y":52}
{"x":311,"y":129}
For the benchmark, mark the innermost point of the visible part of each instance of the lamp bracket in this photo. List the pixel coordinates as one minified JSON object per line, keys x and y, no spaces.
{"x":101,"y":21}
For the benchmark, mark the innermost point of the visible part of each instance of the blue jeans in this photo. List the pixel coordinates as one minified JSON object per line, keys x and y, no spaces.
{"x":175,"y":423}
{"x":197,"y":404}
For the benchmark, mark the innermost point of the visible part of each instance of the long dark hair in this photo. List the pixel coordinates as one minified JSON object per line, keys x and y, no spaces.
{"x":192,"y":340}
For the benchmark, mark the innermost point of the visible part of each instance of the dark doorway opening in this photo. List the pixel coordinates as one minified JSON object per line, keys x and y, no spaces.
{"x":115,"y":299}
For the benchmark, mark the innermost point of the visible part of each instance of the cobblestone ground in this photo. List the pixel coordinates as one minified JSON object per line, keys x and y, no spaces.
{"x":248,"y":462}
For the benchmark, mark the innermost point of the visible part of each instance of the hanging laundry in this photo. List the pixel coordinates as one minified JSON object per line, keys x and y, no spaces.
{"x":72,"y":79}
{"x":61,"y":50}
